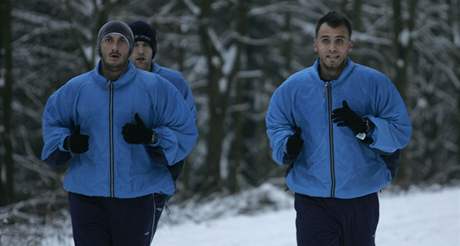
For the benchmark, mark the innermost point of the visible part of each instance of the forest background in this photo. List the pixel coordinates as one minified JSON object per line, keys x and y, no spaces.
{"x":234,"y":53}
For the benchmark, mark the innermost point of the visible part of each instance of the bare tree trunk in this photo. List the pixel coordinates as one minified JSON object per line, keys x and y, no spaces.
{"x":288,"y":45}
{"x":456,"y":40}
{"x":2,"y":82}
{"x":454,"y":23}
{"x":403,"y":44}
{"x":400,"y":77}
{"x":219,"y":91}
{"x":215,"y":135}
{"x":399,"y":49}
{"x":454,"y":19}
{"x":238,"y":147}
{"x":7,"y":171}
{"x":185,"y":176}
{"x":357,"y":15}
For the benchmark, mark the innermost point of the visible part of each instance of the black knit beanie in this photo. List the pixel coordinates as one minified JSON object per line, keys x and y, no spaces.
{"x":144,"y":32}
{"x":115,"y":27}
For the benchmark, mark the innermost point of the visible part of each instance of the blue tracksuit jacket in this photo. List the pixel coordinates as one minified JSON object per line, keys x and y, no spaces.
{"x":112,"y":167}
{"x":333,"y":162}
{"x":179,"y":82}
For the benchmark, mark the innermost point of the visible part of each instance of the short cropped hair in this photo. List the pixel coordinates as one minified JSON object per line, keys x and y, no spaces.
{"x":334,"y":19}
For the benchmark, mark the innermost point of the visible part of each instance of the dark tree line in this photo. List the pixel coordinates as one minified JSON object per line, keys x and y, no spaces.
{"x":234,"y":53}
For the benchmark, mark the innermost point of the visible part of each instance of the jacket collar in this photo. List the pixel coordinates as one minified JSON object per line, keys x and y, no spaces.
{"x":124,"y":79}
{"x":155,"y":67}
{"x":343,"y":75}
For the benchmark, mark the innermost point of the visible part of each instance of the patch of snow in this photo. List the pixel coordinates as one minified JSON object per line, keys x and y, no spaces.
{"x":265,"y":216}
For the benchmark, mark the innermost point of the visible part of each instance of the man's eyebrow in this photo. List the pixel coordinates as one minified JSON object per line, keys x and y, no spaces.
{"x":329,"y":36}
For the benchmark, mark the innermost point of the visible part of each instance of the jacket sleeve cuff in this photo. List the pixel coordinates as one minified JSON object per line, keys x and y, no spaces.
{"x":61,"y":145}
{"x":155,"y":140}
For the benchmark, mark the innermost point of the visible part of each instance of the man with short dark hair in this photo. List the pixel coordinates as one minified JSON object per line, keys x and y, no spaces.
{"x":334,"y":122}
{"x":143,"y":55}
{"x":109,"y":123}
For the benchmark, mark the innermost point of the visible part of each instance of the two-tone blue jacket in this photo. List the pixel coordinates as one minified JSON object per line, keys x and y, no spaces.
{"x":333,"y":162}
{"x":112,"y":167}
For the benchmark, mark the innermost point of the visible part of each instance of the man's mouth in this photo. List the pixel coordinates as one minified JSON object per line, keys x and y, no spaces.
{"x":332,"y":57}
{"x":140,"y":59}
{"x":114,"y":55}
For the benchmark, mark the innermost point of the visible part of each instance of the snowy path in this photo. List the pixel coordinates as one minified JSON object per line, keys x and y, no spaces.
{"x":422,"y":219}
{"x":419,"y":218}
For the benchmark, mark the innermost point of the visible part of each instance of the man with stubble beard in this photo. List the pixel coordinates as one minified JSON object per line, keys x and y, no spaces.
{"x":334,"y":123}
{"x":107,"y":124}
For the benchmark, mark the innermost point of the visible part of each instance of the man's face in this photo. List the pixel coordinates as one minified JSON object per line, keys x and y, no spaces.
{"x":332,"y":46}
{"x":142,"y":55}
{"x":114,"y":51}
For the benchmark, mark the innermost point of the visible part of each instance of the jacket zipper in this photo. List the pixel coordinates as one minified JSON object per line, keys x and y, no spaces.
{"x":111,"y":152}
{"x":331,"y":136}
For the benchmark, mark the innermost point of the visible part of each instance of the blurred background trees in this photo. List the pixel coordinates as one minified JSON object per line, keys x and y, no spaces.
{"x":234,"y":54}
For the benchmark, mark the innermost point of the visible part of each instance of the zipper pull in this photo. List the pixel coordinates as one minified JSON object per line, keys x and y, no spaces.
{"x":326,"y":86}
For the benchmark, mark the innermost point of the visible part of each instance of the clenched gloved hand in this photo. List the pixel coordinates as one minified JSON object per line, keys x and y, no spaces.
{"x":344,"y":116}
{"x":137,"y":133}
{"x":76,"y":143}
{"x":294,"y":144}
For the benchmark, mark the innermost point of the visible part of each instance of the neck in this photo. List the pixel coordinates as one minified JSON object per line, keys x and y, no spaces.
{"x":113,"y":72}
{"x":328,"y":74}
{"x":151,"y":66}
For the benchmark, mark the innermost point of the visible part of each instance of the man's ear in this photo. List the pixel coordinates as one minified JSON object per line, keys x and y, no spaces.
{"x":350,"y":46}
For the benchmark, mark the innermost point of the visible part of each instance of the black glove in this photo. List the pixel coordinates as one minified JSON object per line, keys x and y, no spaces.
{"x":76,"y":142}
{"x":137,"y":133}
{"x":344,"y":116}
{"x":294,"y":144}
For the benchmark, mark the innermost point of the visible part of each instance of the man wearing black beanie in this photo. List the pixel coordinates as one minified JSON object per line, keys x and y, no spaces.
{"x":145,"y":38}
{"x":108,"y":125}
{"x":144,"y":51}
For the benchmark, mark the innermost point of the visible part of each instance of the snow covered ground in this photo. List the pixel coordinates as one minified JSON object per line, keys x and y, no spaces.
{"x":418,"y":218}
{"x":265,"y":217}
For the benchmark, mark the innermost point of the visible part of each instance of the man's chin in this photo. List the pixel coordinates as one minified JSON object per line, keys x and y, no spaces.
{"x":115,"y":65}
{"x":142,"y":65}
{"x":336,"y":64}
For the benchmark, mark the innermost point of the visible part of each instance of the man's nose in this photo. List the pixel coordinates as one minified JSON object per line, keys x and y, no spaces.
{"x":114,"y":46}
{"x":332,"y":47}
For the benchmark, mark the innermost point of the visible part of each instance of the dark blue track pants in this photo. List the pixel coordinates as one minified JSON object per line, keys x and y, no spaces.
{"x":104,"y":221}
{"x":336,"y":222}
{"x":160,"y":202}
{"x":161,"y":199}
